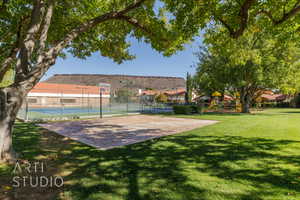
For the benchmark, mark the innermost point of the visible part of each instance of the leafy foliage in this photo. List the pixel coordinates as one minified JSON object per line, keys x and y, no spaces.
{"x":255,"y":59}
{"x":8,"y":78}
{"x":254,"y":62}
{"x":236,"y":15}
{"x":161,"y":98}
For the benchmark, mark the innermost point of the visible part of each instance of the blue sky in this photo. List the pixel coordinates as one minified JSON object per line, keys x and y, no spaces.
{"x":148,"y":62}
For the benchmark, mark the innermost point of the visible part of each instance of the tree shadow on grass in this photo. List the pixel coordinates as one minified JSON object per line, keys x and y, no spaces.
{"x":158,"y":169}
{"x":291,"y":112}
{"x":184,"y":166}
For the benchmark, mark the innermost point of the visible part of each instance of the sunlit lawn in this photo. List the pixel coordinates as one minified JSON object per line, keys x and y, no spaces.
{"x":243,"y":157}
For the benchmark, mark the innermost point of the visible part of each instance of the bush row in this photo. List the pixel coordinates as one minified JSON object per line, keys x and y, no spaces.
{"x":187,"y":109}
{"x":276,"y":105}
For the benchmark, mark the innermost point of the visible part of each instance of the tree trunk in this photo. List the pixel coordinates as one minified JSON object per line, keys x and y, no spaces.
{"x":245,"y":101}
{"x":246,"y":107}
{"x":10,"y":102}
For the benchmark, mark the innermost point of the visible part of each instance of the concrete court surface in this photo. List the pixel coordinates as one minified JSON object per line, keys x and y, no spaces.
{"x":113,"y":132}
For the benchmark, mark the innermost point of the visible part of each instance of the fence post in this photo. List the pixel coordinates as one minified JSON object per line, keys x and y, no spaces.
{"x":101,"y":103}
{"x":88,"y":102}
{"x":61,"y":104}
{"x":110,"y":102}
{"x":127,"y":106}
{"x":82,"y":99}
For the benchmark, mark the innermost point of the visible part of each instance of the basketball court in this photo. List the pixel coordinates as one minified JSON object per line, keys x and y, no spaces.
{"x":113,"y":132}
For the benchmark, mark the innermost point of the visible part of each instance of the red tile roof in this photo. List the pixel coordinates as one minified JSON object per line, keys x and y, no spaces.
{"x":228,"y":98}
{"x":174,"y":92}
{"x":43,"y":87}
{"x":149,"y":92}
{"x":268,"y":92}
{"x":167,"y":92}
{"x":274,"y":97}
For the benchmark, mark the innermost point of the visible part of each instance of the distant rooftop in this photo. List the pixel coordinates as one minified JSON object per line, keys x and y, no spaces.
{"x":43,"y":87}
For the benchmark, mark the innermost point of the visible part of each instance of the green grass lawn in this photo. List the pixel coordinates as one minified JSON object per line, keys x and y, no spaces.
{"x":244,"y":157}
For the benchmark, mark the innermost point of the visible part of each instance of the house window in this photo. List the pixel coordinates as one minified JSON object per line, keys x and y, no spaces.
{"x":32,"y":100}
{"x":67,"y":100}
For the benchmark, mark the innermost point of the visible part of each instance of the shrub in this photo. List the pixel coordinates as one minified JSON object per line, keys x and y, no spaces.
{"x":187,"y":109}
{"x":283,"y":105}
{"x":182,"y":109}
{"x":196,"y":109}
{"x":269,"y":104}
{"x":297,"y":101}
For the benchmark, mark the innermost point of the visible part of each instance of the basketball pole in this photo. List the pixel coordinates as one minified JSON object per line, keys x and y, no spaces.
{"x":101,"y":104}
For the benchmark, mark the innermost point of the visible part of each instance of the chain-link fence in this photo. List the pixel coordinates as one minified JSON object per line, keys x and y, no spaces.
{"x":62,"y":101}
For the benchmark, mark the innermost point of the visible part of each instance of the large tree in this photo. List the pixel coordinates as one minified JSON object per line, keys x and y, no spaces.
{"x":237,"y":15}
{"x":247,"y":65}
{"x":209,"y":78}
{"x":34,"y":33}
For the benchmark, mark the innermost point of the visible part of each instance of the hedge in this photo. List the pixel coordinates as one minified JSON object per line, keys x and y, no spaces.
{"x":187,"y":109}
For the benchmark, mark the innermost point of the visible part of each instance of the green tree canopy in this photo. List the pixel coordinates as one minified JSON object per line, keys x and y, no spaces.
{"x":81,"y":27}
{"x":255,"y":61}
{"x":276,"y":16}
{"x":161,"y":98}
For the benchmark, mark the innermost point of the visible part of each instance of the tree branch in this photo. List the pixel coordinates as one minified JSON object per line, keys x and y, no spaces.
{"x":268,"y":14}
{"x":135,"y":23}
{"x":132,"y":7}
{"x":29,"y":40}
{"x":286,"y":16}
{"x":45,"y":29}
{"x":244,"y":17}
{"x":227,"y":26}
